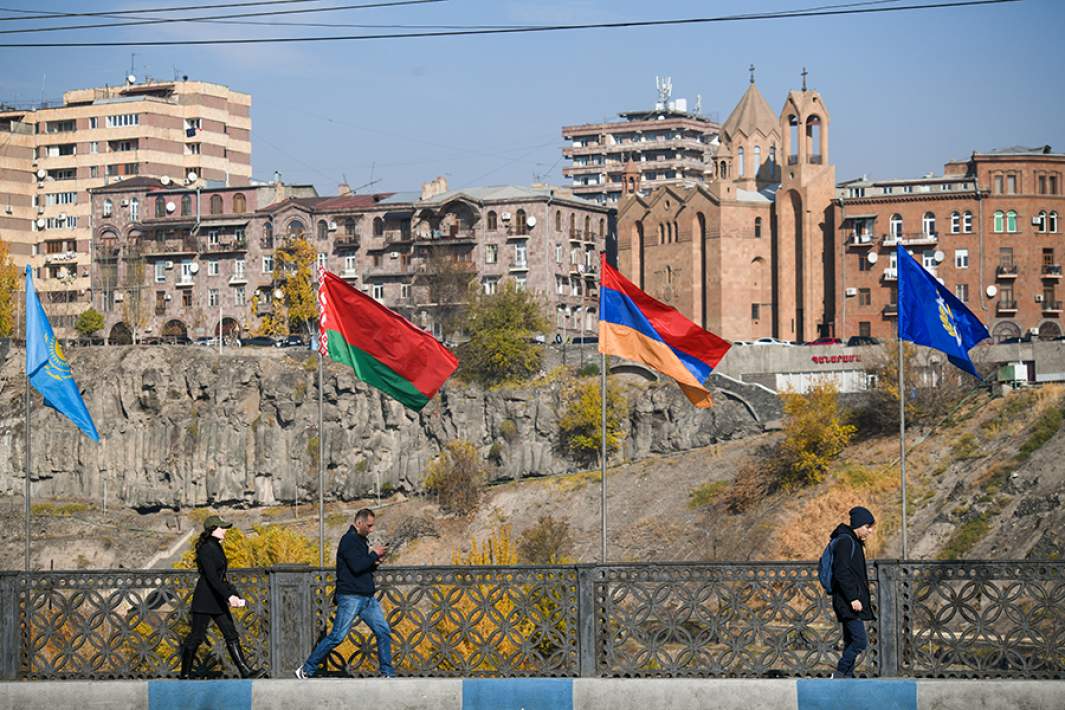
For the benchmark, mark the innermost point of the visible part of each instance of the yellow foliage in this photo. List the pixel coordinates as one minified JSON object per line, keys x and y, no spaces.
{"x":814,"y":435}
{"x":581,"y":425}
{"x":9,"y":288}
{"x":267,"y":545}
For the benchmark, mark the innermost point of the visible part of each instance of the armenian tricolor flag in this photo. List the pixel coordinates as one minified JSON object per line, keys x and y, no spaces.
{"x":637,"y":327}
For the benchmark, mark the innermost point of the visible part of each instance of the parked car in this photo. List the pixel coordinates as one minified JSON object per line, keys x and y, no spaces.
{"x":206,"y":340}
{"x":261,"y":341}
{"x":771,"y":341}
{"x":826,"y":341}
{"x":856,"y":340}
{"x":291,"y":341}
{"x":585,"y":339}
{"x":741,"y":343}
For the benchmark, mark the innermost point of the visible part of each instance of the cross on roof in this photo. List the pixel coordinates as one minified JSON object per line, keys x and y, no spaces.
{"x":804,"y":73}
{"x":751,"y":69}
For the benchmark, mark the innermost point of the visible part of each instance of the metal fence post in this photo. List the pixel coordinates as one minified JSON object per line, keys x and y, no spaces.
{"x":888,"y":629}
{"x":291,"y":617}
{"x":10,"y":628}
{"x":586,"y":621}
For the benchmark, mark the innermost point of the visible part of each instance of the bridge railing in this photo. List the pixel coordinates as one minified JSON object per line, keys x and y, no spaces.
{"x":934,"y":619}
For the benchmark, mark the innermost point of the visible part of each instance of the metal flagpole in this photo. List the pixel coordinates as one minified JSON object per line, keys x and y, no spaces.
{"x":321,"y":470}
{"x":902,"y":443}
{"x":27,"y":510}
{"x":602,"y":455}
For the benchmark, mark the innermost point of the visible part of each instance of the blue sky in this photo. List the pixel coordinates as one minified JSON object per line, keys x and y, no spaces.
{"x":906,"y":91}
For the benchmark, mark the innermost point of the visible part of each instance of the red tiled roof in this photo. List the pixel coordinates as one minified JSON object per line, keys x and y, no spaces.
{"x":330,"y":204}
{"x":132,"y":183}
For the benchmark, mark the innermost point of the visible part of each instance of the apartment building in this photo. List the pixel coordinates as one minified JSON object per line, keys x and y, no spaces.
{"x":183,"y":261}
{"x":668,"y":145}
{"x":53,"y":154}
{"x":989,"y":228}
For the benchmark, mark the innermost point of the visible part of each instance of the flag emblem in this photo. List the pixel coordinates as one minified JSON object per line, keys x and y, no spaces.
{"x":946,"y":317}
{"x":57,"y":366}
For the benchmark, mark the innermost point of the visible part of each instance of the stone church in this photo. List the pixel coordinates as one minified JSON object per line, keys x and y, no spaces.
{"x":747,"y":253}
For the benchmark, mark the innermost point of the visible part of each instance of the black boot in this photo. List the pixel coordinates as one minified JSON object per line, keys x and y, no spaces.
{"x":237,"y":654}
{"x":188,"y":657}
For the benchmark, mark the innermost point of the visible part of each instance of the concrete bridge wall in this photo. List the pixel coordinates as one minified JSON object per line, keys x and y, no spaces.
{"x":537,"y":694}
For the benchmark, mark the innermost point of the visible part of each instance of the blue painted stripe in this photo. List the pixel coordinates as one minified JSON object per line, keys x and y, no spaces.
{"x":616,"y":307}
{"x":199,"y":695}
{"x":857,"y":694}
{"x":517,"y":694}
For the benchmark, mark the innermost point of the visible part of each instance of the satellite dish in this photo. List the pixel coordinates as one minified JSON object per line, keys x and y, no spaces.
{"x":165,"y":179}
{"x":872,"y":257}
{"x":192,"y":176}
{"x":531,"y":221}
{"x":131,"y":79}
{"x":992,"y":290}
{"x":278,"y":293}
{"x":41,"y":223}
{"x":41,"y":172}
{"x":940,"y":256}
{"x":193,"y":268}
{"x":170,"y":207}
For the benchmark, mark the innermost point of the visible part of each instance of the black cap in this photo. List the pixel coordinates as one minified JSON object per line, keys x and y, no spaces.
{"x":861,"y":516}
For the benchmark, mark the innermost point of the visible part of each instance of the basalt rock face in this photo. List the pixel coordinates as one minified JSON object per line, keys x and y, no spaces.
{"x":183,"y":426}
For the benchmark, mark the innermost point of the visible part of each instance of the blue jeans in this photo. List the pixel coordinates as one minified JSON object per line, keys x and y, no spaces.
{"x":854,"y":642}
{"x":350,"y":606}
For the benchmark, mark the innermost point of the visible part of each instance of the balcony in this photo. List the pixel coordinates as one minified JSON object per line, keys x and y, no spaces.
{"x":576,"y":236}
{"x":393,"y":236}
{"x":891,"y":309}
{"x":1051,"y":271}
{"x":231,"y":245}
{"x":185,"y":282}
{"x":1051,"y":306}
{"x":348,"y":241}
{"x":63,"y":257}
{"x":454,"y":236}
{"x":238,"y":279}
{"x":890,"y":274}
{"x":1006,"y":271}
{"x":349,"y":274}
{"x":520,"y":266}
{"x":1006,"y":305}
{"x":169,"y":247}
{"x":889,"y":240}
{"x":860,"y":240}
{"x":919,"y":239}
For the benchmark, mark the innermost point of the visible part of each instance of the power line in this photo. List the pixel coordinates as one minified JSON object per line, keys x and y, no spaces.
{"x":109,"y":13}
{"x":518,"y":30}
{"x":265,"y":13}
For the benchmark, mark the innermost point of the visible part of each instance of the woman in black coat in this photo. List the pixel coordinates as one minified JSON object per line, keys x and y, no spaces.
{"x":212,"y":599}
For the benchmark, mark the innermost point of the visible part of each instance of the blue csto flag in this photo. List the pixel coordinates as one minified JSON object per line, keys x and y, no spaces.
{"x":47,"y":369}
{"x":931,"y":315}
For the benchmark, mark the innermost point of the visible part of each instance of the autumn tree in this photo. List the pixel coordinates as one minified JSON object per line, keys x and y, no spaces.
{"x":814,"y":435}
{"x":456,"y":477}
{"x":9,"y":290}
{"x":581,"y":425}
{"x":294,"y":264}
{"x":267,"y":545}
{"x":90,"y":321}
{"x":502,"y":327}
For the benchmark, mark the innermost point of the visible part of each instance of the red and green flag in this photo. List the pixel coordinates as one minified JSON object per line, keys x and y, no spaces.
{"x":385,"y":349}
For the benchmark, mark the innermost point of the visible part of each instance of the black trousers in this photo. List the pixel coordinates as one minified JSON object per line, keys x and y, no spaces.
{"x":223,"y":621}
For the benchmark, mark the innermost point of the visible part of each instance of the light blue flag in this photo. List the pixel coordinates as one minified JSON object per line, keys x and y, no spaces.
{"x":47,"y":369}
{"x":931,"y":315}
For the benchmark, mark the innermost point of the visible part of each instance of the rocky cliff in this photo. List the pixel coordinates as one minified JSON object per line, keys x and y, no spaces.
{"x":183,"y":426}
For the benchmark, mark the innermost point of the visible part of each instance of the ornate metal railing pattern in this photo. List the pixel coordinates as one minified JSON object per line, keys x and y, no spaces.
{"x":127,"y":624}
{"x":464,"y":622}
{"x":934,"y":619}
{"x":717,"y":620}
{"x":987,"y":619}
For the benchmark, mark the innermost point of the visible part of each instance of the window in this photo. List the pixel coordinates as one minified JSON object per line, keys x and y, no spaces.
{"x":322,"y":262}
{"x":186,"y":205}
{"x":961,"y":258}
{"x":61,"y":198}
{"x":955,"y":222}
{"x":268,"y":264}
{"x":928,"y":260}
{"x":558,"y":253}
{"x":521,"y":252}
{"x":108,"y":208}
{"x":757,"y":227}
{"x":967,"y":222}
{"x":212,"y":297}
{"x":239,"y":267}
{"x":134,"y":209}
{"x":404,"y":292}
{"x":1011,"y":184}
{"x":378,"y":227}
{"x":489,"y":286}
{"x":323,"y":230}
{"x":94,"y":171}
{"x":186,"y":298}
{"x":94,"y":147}
{"x":160,"y":207}
{"x":192,"y":149}
{"x":895,"y":226}
{"x":928,"y":224}
{"x":491,"y":253}
{"x":755,"y":308}
{"x":1048,"y":257}
{"x":239,"y":296}
{"x":865,"y":297}
{"x":160,"y":272}
{"x":863,"y":263}
{"x":378,"y":292}
{"x":60,"y":126}
{"x":55,"y":151}
{"x":1042,"y":184}
{"x":757,"y":159}
{"x":558,"y":220}
{"x":1052,"y":222}
{"x":962,"y":292}
{"x":112,"y":170}
{"x":212,"y":267}
{"x":213,"y":237}
{"x":124,"y":119}
{"x":351,"y":264}
{"x":520,"y":283}
{"x":1052,"y":184}
{"x":1011,"y":222}
{"x":122,"y":146}
{"x":998,"y":184}
{"x":240,"y":203}
{"x":216,"y":204}
{"x":865,"y":328}
{"x":1041,"y":222}
{"x":492,"y":224}
{"x":94,"y":122}
{"x":740,"y":162}
{"x":520,"y":225}
{"x":999,"y":223}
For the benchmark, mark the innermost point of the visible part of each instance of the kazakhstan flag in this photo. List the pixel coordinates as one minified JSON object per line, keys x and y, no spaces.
{"x":47,"y":369}
{"x":929,"y":314}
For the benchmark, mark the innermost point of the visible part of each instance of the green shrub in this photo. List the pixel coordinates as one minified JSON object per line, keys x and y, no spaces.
{"x":1046,"y":426}
{"x":546,"y":543}
{"x":590,"y":369}
{"x":707,"y":494}
{"x":966,"y":447}
{"x":965,"y":538}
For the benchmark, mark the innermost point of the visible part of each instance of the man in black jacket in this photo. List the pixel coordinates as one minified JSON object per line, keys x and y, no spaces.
{"x":850,"y":587}
{"x":354,"y":597}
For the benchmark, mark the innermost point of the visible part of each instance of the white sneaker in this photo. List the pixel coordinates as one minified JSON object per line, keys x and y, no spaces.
{"x":300,"y":674}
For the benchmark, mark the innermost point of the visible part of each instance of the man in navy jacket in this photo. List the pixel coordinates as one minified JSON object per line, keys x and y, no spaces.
{"x":850,"y":587}
{"x":354,"y":597}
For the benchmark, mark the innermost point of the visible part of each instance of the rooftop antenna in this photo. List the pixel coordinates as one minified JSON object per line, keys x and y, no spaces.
{"x":372,"y":182}
{"x":665,"y":88}
{"x":373,"y":165}
{"x":698,"y":104}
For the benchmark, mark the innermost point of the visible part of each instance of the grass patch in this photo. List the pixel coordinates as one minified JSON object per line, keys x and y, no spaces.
{"x":574,"y":481}
{"x":966,"y":447}
{"x":965,"y":537}
{"x":867,"y":478}
{"x":707,"y":494}
{"x":59,"y":510}
{"x":1046,"y":426}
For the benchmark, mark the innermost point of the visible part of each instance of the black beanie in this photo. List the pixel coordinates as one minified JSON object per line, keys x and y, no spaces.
{"x":861,"y":516}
